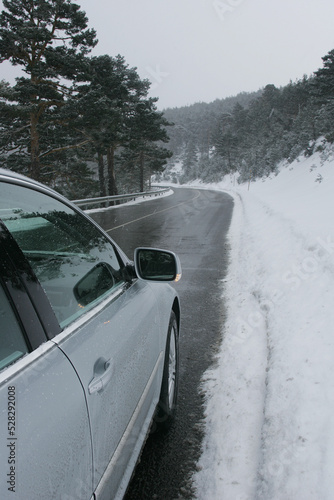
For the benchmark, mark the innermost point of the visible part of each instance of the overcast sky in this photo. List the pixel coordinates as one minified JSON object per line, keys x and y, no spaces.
{"x":200,"y":50}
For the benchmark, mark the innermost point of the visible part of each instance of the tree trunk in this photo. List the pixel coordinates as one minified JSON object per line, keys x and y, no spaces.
{"x":35,"y":169}
{"x":141,"y":171}
{"x":102,"y":181}
{"x":111,"y":172}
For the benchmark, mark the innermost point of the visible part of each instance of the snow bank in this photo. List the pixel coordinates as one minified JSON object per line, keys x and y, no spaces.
{"x":270,"y":397}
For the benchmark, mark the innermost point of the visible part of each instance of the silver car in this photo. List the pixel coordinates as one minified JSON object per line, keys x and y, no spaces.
{"x":88,"y":349}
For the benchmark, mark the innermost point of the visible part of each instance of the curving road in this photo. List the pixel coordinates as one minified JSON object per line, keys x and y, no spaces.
{"x":194,"y":224}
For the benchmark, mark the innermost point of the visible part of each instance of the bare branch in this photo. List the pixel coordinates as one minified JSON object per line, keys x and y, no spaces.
{"x":64,"y":148}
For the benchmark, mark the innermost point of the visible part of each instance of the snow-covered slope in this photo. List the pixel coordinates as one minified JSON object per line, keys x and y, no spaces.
{"x":270,"y":398}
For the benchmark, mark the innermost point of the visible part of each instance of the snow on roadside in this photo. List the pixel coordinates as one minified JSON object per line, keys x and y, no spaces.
{"x":270,"y":396}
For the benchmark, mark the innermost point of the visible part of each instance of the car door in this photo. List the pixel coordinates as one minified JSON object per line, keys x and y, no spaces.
{"x":110,"y":326}
{"x":116,"y":354}
{"x":45,"y":438}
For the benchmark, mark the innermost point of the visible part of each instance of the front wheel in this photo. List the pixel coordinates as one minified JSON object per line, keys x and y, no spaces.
{"x":170,"y":380}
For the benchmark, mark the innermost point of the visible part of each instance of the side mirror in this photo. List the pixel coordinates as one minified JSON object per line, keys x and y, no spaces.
{"x":157,"y":265}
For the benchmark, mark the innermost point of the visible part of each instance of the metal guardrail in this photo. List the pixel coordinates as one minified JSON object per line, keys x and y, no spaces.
{"x":103,"y":199}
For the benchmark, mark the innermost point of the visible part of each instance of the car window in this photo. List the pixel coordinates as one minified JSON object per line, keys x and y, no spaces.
{"x":74,"y":262}
{"x":12,"y":342}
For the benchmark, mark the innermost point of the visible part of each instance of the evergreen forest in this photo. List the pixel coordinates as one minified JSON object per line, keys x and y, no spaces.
{"x":81,"y":124}
{"x":249,"y":134}
{"x":86,"y":126}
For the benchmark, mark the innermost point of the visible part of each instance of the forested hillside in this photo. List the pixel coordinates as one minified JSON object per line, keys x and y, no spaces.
{"x":250,"y":134}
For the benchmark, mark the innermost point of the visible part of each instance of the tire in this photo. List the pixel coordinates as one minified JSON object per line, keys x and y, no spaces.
{"x":166,"y":408}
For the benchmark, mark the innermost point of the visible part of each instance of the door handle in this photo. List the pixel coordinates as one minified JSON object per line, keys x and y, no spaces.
{"x":103,"y":372}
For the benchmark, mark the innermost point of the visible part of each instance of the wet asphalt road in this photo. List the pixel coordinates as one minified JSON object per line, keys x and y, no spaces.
{"x":193,"y":223}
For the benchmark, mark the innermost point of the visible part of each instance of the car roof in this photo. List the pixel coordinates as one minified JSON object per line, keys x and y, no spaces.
{"x":15,"y":175}
{"x":9,"y":174}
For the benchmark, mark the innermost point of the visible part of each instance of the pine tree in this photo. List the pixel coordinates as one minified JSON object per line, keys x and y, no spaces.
{"x":323,"y":84}
{"x":14,"y":131}
{"x":147,"y":126}
{"x":49,"y":39}
{"x":103,"y":111}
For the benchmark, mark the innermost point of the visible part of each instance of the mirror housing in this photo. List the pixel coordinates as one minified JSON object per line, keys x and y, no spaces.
{"x":153,"y":264}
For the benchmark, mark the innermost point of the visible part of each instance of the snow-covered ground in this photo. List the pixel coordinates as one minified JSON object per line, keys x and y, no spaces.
{"x":270,"y":396}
